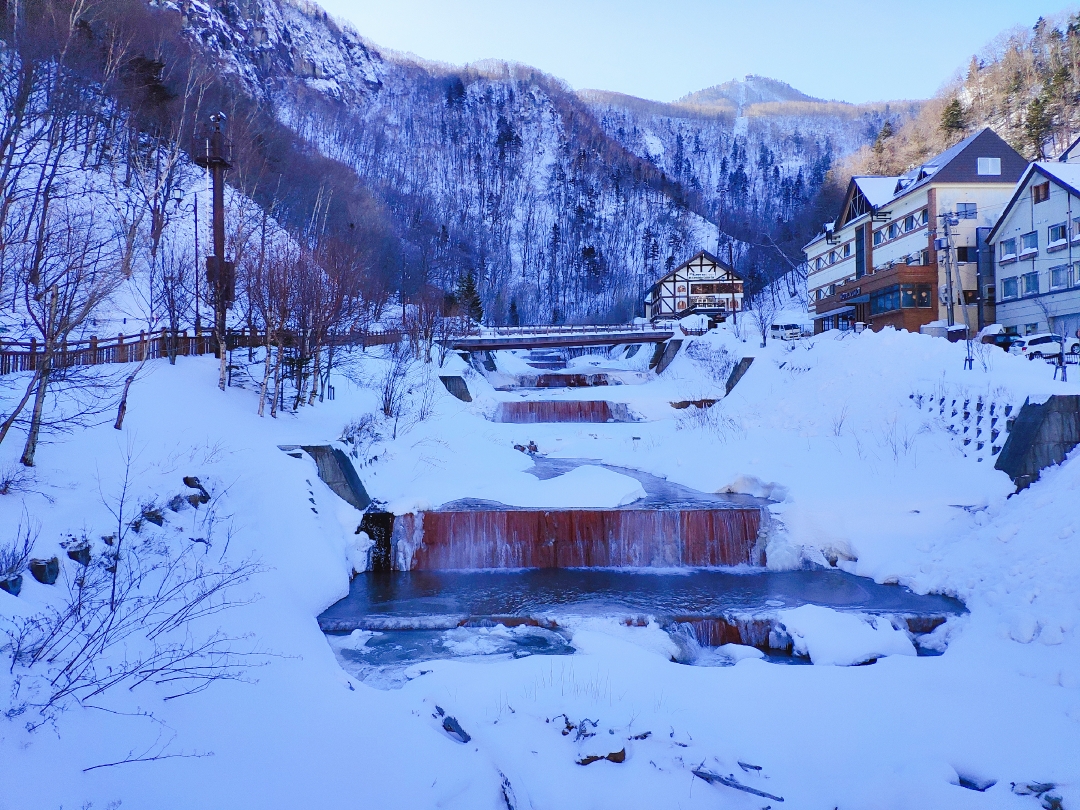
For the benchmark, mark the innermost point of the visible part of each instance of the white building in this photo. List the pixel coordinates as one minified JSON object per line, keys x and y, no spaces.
{"x":1036,"y":245}
{"x":701,"y":285}
{"x":887,"y":259}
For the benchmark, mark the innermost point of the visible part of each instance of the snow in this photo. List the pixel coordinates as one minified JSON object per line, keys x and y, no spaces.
{"x":873,"y":481}
{"x":843,"y":639}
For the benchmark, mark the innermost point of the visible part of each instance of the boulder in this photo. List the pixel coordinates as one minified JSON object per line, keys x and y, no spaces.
{"x":45,"y":571}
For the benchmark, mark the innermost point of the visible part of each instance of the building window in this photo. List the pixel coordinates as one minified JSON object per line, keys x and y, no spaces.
{"x":915,"y":296}
{"x":1059,"y":277}
{"x":1006,"y":249}
{"x":909,"y":222}
{"x":878,"y":237}
{"x":967,"y":210}
{"x":1031,"y":328}
{"x":1076,"y":273}
{"x":989,"y":165}
{"x":988,"y":294}
{"x":1076,"y":229}
{"x":964,"y":255}
{"x":820,"y":263}
{"x":885,"y":300}
{"x":847,"y":250}
{"x":1008,"y":288}
{"x":924,"y":216}
{"x":832,"y":257}
{"x":1057,"y":235}
{"x":1031,"y":283}
{"x":894,"y":230}
{"x":1029,"y":243}
{"x":1041,"y":192}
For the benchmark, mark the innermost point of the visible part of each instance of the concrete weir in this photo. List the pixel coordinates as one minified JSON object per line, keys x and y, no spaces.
{"x":576,"y":538}
{"x":671,"y":527}
{"x":567,"y":410}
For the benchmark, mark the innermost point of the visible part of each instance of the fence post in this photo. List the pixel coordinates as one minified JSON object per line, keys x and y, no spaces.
{"x":183,"y":348}
{"x":142,"y":346}
{"x":33,"y":354}
{"x":93,"y":350}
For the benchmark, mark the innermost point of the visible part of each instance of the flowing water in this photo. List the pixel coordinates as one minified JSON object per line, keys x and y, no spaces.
{"x":399,"y":619}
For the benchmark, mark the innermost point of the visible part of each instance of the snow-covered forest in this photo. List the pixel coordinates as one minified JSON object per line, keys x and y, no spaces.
{"x":562,"y":205}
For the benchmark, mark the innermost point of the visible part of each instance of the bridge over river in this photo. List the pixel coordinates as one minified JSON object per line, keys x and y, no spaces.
{"x":559,"y":337}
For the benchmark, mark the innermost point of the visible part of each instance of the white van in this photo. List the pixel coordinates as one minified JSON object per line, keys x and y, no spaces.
{"x":785,"y":331}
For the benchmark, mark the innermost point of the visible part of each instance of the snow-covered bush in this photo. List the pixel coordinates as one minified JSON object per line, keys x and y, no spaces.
{"x":716,"y":361}
{"x":16,"y":552}
{"x":128,"y":619}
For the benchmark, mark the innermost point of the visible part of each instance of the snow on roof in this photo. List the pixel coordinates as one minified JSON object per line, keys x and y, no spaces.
{"x":877,"y":190}
{"x":1066,"y":173}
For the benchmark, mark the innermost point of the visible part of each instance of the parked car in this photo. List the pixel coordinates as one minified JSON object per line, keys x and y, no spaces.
{"x":785,"y":331}
{"x":1043,"y":345}
{"x":1003,"y":340}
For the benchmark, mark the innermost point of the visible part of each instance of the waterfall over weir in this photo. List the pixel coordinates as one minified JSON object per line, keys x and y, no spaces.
{"x":672,"y":527}
{"x":568,"y":410}
{"x":576,"y":538}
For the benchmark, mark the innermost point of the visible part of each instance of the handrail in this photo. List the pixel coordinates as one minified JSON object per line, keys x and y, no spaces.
{"x":16,"y":356}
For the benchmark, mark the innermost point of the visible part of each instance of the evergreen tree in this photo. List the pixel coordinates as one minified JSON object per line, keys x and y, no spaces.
{"x":953,"y":119}
{"x":1037,"y":125}
{"x":515,"y":317}
{"x":468,"y":298}
{"x":884,"y":134}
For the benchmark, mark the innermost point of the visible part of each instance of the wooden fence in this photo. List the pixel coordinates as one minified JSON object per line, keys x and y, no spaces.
{"x":22,"y":356}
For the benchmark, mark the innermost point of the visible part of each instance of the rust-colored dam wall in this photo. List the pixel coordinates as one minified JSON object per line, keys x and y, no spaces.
{"x":572,"y":410}
{"x":571,"y":538}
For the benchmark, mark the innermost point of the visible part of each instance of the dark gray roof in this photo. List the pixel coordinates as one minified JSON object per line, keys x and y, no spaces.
{"x":957,"y":164}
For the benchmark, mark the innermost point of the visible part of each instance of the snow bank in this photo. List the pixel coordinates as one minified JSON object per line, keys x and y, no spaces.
{"x":584,"y":486}
{"x":842,"y":639}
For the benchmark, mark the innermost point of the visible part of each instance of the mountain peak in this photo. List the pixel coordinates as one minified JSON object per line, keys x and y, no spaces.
{"x":751,"y":90}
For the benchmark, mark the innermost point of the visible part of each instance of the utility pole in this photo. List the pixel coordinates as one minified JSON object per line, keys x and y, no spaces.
{"x":212,"y":152}
{"x":946,"y":245}
{"x":731,"y":261}
{"x":198,"y":322}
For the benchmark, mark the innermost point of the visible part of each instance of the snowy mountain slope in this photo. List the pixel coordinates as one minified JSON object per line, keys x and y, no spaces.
{"x":757,"y":173}
{"x":568,"y":205}
{"x":737,"y":94}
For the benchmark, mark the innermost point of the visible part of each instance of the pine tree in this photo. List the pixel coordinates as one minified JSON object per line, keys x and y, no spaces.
{"x":1037,"y":125}
{"x":515,"y":316}
{"x":468,"y":298}
{"x":953,"y":118}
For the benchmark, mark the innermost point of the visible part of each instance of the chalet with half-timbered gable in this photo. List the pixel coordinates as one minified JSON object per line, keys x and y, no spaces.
{"x":702,"y":285}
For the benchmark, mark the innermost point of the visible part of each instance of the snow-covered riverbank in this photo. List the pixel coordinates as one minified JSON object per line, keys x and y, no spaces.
{"x":830,"y":429}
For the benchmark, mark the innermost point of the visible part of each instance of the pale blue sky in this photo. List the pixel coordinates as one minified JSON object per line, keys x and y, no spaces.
{"x":846,"y":49}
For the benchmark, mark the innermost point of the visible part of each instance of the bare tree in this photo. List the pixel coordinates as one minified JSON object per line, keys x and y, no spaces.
{"x":175,"y":292}
{"x":68,"y":271}
{"x":764,"y":305}
{"x":421,"y":320}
